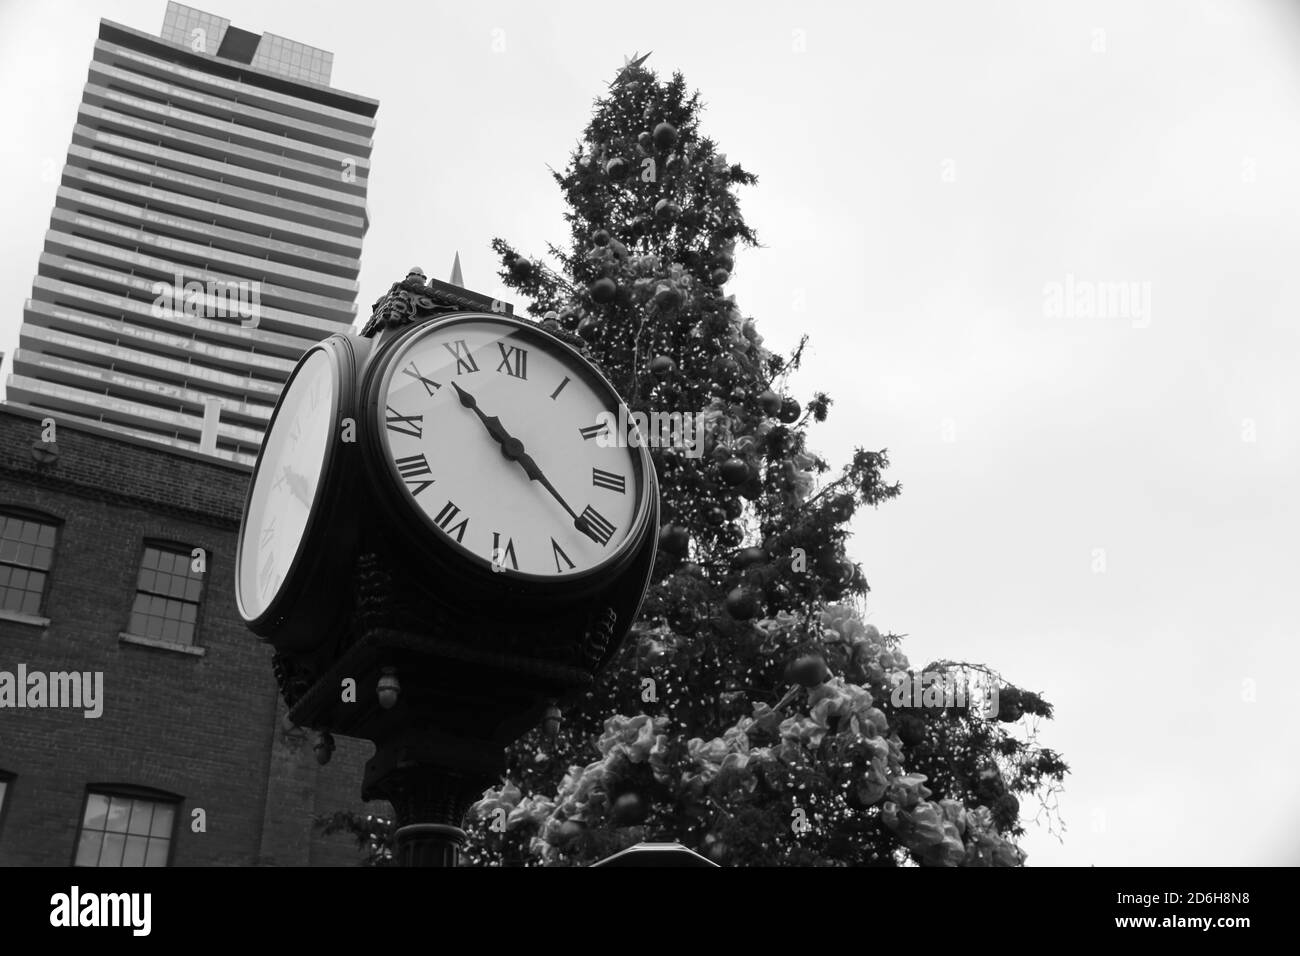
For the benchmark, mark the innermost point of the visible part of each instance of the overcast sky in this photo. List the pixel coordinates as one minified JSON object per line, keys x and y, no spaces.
{"x":1101,"y":503}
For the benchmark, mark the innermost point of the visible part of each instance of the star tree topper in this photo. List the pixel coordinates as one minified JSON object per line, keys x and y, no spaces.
{"x":630,"y":64}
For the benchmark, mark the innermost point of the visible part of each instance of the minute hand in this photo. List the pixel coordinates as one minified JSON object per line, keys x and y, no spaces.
{"x":513,"y":449}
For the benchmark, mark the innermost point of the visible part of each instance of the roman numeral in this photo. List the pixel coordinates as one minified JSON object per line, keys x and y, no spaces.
{"x":591,"y":431}
{"x":411,"y":468}
{"x":593,"y":524}
{"x":557,"y":552}
{"x":445,"y":518}
{"x":514,"y":360}
{"x":499,"y":556}
{"x":429,"y":384}
{"x":464,"y":360}
{"x":559,"y":388}
{"x":268,"y":533}
{"x":264,"y":576}
{"x":406,"y":424}
{"x":607,"y":479}
{"x":315,"y":394}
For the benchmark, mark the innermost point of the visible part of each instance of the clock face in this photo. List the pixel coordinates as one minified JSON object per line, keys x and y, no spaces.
{"x":504,"y":440}
{"x":285,"y":484}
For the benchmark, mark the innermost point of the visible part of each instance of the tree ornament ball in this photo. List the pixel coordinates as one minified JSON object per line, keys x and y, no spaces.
{"x":602,"y":290}
{"x":809,"y":671}
{"x":769,"y":401}
{"x":871,"y":633}
{"x":662,"y":366}
{"x":715,"y":516}
{"x":629,"y":810}
{"x":600,"y":237}
{"x":844,"y":571}
{"x":645,"y":141}
{"x":616,"y":168}
{"x":521,"y":268}
{"x":733,"y":508}
{"x":569,"y":831}
{"x":735,"y":471}
{"x":675,"y":540}
{"x":1009,"y":804}
{"x":665,"y":135}
{"x":750,"y":330}
{"x":720,"y":276}
{"x":911,"y":730}
{"x":790,"y":411}
{"x":1010,"y":709}
{"x":727,"y":367}
{"x":666,"y":210}
{"x":724,"y":260}
{"x":588,"y":327}
{"x":748,"y":557}
{"x":741,"y":604}
{"x":668,"y":297}
{"x":842,"y":507}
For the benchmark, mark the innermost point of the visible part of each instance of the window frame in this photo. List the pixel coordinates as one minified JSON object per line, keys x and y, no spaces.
{"x":128,"y":791}
{"x":170,"y":546}
{"x":40,"y":517}
{"x":7,"y":778}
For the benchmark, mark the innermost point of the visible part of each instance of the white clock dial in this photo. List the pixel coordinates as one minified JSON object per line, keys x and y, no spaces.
{"x":503,"y":440}
{"x":285,"y":484}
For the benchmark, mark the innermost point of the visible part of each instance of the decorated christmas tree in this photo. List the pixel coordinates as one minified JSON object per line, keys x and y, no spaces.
{"x":751,"y":714}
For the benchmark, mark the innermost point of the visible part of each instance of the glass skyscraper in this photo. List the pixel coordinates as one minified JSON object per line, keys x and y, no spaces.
{"x":207,"y":230}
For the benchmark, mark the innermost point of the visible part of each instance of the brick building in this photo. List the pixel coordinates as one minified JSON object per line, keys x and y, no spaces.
{"x":98,"y":540}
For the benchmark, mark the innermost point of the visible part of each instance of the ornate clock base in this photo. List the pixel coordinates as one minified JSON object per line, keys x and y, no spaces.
{"x":431,"y":779}
{"x":429,"y":803}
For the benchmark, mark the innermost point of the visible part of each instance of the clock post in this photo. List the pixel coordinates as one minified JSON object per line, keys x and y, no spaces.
{"x":490,"y":563}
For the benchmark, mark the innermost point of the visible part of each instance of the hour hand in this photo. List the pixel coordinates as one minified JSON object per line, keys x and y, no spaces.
{"x":493,"y":424}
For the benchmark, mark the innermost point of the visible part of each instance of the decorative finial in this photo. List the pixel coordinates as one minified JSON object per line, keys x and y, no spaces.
{"x":456,"y":278}
{"x":416,"y":271}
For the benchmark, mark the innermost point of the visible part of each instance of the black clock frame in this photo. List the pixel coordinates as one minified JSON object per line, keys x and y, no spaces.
{"x":418,"y":536}
{"x":312,"y":602}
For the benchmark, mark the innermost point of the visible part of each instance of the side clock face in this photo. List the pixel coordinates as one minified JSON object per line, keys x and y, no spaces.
{"x":503,"y":441}
{"x":286,"y":484}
